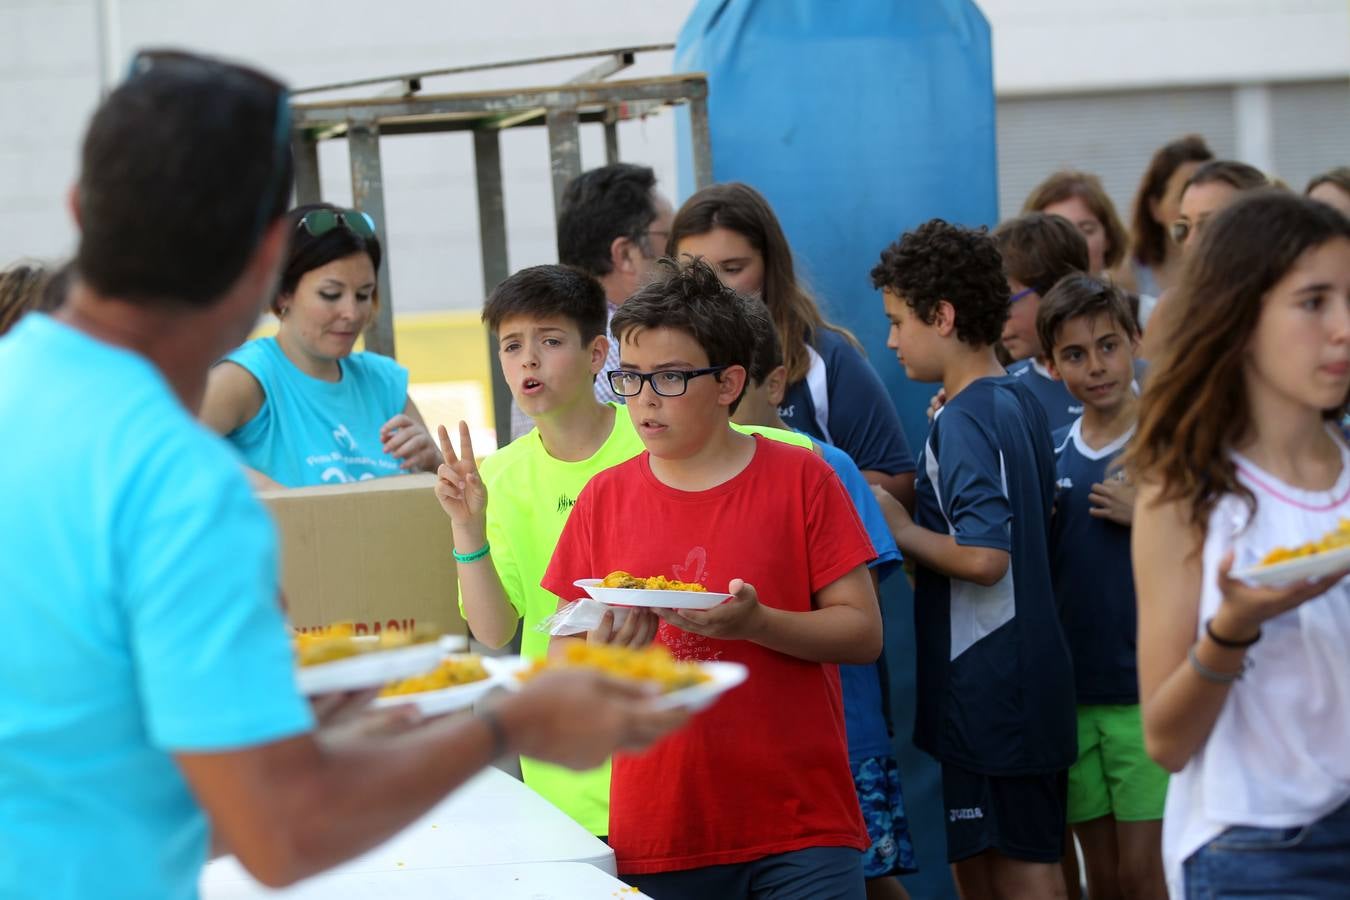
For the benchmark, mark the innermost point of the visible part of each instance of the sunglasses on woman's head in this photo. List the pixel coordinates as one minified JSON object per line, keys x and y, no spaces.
{"x":319,"y":222}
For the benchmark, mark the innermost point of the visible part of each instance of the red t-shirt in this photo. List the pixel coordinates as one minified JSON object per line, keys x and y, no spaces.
{"x":765,"y":770}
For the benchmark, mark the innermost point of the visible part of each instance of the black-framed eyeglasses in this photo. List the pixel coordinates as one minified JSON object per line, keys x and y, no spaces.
{"x":319,"y":222}
{"x":666,"y":383}
{"x":205,"y":68}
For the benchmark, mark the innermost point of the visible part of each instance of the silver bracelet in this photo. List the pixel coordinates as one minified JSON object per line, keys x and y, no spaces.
{"x":1212,"y":675}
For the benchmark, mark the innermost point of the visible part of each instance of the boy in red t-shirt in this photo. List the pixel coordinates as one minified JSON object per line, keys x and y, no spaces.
{"x":755,"y":796}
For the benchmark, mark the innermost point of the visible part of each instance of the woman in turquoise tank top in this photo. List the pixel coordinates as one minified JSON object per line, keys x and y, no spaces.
{"x":301,"y":407}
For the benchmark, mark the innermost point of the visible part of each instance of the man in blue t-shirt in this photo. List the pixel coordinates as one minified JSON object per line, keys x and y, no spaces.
{"x":995,"y":698}
{"x":150,"y":704}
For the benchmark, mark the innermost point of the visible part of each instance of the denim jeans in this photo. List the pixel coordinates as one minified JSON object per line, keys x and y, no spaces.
{"x":1308,"y":862}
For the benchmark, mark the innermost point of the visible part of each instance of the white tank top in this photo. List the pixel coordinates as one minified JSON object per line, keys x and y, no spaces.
{"x":1279,"y":754}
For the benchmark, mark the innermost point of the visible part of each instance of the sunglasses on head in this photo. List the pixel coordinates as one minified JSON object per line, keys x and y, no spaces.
{"x":319,"y":222}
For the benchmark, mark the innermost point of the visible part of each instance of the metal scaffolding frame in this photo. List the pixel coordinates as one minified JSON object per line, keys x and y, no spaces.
{"x":561,"y":109}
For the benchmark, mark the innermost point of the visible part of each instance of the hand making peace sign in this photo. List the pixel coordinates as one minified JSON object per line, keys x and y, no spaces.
{"x":458,"y":486}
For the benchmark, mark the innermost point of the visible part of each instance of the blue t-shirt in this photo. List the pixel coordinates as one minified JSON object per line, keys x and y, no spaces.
{"x":861,"y":685}
{"x":310,"y":431}
{"x":1094,"y":584}
{"x":995,"y":683}
{"x":843,"y":402}
{"x":141,"y":620}
{"x":1061,"y":407}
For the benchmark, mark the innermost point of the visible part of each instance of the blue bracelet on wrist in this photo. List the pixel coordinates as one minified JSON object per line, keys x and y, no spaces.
{"x":471,"y":557}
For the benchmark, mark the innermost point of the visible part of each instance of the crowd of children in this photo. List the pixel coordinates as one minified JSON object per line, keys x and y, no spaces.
{"x":1019,"y":534}
{"x":1073,"y":523}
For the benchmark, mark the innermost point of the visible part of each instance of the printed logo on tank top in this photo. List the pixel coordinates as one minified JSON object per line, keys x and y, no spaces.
{"x":344,"y":438}
{"x":565,"y":503}
{"x":347,"y":454}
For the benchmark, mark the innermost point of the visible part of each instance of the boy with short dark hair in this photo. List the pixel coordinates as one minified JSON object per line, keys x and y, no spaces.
{"x":876,"y":774}
{"x":549,"y":323}
{"x":995,"y":684}
{"x":759,"y":796}
{"x":1116,"y":792}
{"x":1038,"y":250}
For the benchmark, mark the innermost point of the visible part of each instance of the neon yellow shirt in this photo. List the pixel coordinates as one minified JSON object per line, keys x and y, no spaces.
{"x":530,"y":494}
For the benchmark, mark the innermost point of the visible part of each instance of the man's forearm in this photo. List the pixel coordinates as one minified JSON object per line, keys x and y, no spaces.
{"x":324,"y":803}
{"x":370,"y":790}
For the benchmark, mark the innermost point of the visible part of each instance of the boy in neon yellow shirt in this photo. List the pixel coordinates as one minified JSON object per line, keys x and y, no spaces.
{"x":549,"y":323}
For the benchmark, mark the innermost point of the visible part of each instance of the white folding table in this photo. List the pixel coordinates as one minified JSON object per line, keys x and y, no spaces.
{"x":492,"y":821}
{"x":524,"y":881}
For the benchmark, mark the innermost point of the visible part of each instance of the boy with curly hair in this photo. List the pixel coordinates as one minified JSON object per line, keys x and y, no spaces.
{"x":995,"y":681}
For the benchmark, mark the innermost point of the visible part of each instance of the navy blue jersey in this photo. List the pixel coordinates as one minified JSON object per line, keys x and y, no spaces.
{"x":1090,"y":564}
{"x":843,"y":402}
{"x":995,"y":682}
{"x":1061,"y":407}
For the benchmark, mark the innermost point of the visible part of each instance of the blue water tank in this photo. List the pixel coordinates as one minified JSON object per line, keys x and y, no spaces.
{"x":858,"y":121}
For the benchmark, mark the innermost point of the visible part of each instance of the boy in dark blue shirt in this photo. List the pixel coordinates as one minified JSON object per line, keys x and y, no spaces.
{"x":1116,"y":792}
{"x":995,"y":686}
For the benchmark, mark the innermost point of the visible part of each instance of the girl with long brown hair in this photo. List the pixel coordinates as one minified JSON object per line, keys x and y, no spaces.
{"x":1155,"y":259}
{"x":1246,"y":690}
{"x":833,"y":394}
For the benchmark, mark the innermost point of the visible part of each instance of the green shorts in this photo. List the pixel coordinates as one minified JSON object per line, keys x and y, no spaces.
{"x":1113,"y":775}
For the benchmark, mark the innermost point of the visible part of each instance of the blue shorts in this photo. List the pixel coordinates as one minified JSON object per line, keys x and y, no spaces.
{"x":877,"y":779}
{"x":1310,"y":860}
{"x":816,"y":873}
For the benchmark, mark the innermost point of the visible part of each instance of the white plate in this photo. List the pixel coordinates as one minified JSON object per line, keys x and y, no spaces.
{"x":461,"y":696}
{"x":1300,"y":569}
{"x":454,"y":643}
{"x":723,"y":677}
{"x":660,"y":599}
{"x":370,"y":669}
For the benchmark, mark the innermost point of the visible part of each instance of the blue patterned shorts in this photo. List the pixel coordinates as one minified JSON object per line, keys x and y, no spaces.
{"x":877,"y":779}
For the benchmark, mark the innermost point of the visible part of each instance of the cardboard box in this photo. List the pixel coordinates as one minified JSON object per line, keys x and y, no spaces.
{"x":375,"y":552}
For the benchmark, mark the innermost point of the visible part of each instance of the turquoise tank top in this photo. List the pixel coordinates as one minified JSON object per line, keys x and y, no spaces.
{"x":310,"y":431}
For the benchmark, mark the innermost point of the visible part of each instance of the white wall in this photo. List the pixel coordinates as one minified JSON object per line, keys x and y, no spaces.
{"x":56,"y":54}
{"x":1053,"y":46}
